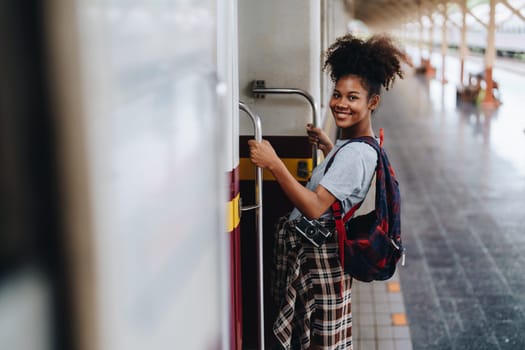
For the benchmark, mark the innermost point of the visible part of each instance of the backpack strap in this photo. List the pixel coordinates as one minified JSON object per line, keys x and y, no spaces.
{"x":337,"y":206}
{"x":340,"y":227}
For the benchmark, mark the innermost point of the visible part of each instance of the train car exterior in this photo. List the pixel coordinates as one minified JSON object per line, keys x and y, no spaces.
{"x":144,"y":97}
{"x":136,"y":104}
{"x":152,"y":164}
{"x":150,"y":106}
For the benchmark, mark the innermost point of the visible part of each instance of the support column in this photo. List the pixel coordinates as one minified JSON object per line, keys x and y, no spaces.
{"x":463,"y":50}
{"x":431,"y":71}
{"x":490,"y":57}
{"x":444,"y":42}
{"x":421,"y":38}
{"x":430,"y":37}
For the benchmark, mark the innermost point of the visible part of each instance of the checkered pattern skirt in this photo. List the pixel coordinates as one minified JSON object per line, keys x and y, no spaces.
{"x":314,"y":307}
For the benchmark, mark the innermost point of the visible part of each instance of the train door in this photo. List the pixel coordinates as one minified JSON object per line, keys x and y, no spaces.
{"x":280,"y":79}
{"x":279,"y":42}
{"x":142,"y":152}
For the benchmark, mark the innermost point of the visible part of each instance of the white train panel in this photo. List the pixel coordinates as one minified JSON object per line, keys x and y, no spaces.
{"x":279,"y":42}
{"x":137,"y":85}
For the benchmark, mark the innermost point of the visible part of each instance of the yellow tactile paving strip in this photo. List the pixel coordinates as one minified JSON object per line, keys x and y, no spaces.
{"x":393,"y":287}
{"x":379,"y":318}
{"x":399,"y":319}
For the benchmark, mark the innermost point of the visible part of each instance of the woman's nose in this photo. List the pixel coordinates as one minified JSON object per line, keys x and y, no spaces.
{"x":341,"y":104}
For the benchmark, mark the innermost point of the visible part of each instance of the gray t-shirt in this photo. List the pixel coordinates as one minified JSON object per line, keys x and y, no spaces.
{"x":348,"y":178}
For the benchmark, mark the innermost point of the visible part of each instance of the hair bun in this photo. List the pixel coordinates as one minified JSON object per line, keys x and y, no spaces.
{"x":376,"y":60}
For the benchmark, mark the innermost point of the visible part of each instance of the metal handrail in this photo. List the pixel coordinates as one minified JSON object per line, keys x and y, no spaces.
{"x":259,"y":89}
{"x":259,"y":223}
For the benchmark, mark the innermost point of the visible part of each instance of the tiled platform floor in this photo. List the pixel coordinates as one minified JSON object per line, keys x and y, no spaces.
{"x":379,"y":311}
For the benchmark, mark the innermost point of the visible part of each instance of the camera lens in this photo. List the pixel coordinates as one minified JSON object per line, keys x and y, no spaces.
{"x":311,"y":231}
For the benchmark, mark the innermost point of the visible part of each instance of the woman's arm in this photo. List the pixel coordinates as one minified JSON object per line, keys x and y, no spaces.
{"x":311,"y":203}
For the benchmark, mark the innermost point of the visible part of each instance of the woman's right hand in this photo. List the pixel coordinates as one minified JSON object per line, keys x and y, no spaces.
{"x":262,"y":154}
{"x":317,"y":136}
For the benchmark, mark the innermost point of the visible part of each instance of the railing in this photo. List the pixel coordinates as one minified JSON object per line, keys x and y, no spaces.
{"x":259,"y":225}
{"x":259,"y":89}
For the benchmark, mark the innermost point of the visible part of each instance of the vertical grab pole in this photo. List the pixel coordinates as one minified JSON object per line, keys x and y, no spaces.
{"x":259,"y":223}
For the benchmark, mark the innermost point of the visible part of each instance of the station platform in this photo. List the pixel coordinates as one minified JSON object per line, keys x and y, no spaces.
{"x":379,"y":316}
{"x":462,"y":175}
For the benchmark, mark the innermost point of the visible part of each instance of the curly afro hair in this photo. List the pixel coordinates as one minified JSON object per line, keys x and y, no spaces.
{"x":376,"y":61}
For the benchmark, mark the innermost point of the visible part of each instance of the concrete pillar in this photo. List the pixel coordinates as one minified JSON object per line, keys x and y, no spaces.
{"x":463,"y":50}
{"x":420,"y":41}
{"x":430,"y":37}
{"x":431,"y":71}
{"x":490,"y":56}
{"x":444,"y":42}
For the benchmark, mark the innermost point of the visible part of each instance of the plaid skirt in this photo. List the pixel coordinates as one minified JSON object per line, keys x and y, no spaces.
{"x":313,"y":306}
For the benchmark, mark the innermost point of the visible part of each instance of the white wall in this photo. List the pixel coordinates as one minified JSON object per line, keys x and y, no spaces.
{"x":279,"y":42}
{"x":335,"y":24}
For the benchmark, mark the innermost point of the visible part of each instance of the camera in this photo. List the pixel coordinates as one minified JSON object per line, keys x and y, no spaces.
{"x":313,"y":231}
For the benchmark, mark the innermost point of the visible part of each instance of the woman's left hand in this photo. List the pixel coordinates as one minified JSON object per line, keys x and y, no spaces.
{"x":318,"y":137}
{"x":262,"y":154}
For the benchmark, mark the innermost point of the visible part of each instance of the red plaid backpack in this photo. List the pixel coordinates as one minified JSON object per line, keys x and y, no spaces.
{"x":370,"y":245}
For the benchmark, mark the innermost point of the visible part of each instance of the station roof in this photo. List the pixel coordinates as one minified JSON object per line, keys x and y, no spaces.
{"x":387,"y":14}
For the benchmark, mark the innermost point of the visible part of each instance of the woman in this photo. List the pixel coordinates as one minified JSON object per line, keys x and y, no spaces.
{"x":311,"y":290}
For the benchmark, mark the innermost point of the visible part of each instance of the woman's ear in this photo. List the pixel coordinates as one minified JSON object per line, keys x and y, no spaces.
{"x":373,"y":103}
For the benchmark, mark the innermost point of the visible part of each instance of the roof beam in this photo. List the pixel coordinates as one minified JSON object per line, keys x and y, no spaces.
{"x":514,"y":11}
{"x":477,"y":18}
{"x":382,"y":14}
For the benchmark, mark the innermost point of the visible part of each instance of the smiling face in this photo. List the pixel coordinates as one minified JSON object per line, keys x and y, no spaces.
{"x":352,"y":107}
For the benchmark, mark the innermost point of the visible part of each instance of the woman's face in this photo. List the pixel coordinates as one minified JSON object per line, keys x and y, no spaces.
{"x":351,"y":106}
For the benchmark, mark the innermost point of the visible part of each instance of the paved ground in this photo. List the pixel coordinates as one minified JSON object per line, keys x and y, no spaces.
{"x":380,"y":317}
{"x":463,"y":188}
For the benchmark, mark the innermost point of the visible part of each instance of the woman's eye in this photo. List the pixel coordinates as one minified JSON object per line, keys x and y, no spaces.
{"x":336,"y":95}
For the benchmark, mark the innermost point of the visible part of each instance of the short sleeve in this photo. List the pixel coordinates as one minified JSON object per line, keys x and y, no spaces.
{"x":351,"y":172}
